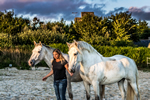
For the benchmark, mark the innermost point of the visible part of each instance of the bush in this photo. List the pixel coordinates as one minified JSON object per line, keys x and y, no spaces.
{"x":121,"y":43}
{"x":5,"y":39}
{"x":45,"y":36}
{"x":60,"y":46}
{"x":137,"y":54}
{"x":19,"y":55}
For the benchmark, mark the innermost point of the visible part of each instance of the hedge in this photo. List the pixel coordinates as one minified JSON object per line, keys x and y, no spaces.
{"x":19,"y":55}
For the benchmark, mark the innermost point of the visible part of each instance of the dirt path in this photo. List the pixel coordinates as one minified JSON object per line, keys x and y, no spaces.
{"x":28,"y":85}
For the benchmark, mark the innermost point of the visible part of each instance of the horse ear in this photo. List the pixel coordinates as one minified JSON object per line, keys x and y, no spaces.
{"x":74,"y":40}
{"x":34,"y":43}
{"x":40,"y":43}
{"x":76,"y":43}
{"x":68,"y":44}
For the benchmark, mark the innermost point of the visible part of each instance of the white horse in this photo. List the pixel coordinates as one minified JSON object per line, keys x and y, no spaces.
{"x":43,"y":52}
{"x":98,"y":70}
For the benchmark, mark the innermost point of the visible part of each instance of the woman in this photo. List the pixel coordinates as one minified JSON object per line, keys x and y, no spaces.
{"x":59,"y":67}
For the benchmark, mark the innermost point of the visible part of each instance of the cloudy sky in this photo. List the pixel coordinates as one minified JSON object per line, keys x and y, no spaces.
{"x":54,"y":10}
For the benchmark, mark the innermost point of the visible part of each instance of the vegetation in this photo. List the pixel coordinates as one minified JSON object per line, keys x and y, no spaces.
{"x":12,"y":25}
{"x":110,"y":35}
{"x":18,"y":56}
{"x":115,"y":30}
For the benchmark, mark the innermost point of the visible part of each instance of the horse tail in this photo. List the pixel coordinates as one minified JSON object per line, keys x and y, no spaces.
{"x":130,"y":92}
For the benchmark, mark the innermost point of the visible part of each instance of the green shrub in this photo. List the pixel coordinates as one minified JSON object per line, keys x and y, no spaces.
{"x":60,"y":46}
{"x":19,"y":55}
{"x":137,"y":54}
{"x":5,"y":39}
{"x":121,"y":43}
{"x":45,"y":36}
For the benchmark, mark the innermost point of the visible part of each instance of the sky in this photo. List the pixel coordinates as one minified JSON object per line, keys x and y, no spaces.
{"x":54,"y":10}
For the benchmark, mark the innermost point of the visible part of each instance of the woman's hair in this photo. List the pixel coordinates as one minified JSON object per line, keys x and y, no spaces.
{"x":62,"y":59}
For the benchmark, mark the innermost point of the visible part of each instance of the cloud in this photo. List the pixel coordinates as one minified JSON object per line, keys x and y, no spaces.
{"x":102,"y":0}
{"x":116,"y":10}
{"x":57,"y":9}
{"x":51,"y":8}
{"x":142,"y":13}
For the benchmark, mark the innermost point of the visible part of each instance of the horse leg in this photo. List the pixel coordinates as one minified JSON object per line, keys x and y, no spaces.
{"x":133,"y":84}
{"x":135,"y":89}
{"x":87,"y":89}
{"x":69,"y":88}
{"x":96,"y":90}
{"x":121,"y":88}
{"x":102,"y":91}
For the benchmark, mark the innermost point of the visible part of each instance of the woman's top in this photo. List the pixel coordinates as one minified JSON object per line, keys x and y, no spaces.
{"x":59,"y":70}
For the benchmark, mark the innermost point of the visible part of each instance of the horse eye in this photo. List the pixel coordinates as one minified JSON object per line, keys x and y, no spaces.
{"x":38,"y":51}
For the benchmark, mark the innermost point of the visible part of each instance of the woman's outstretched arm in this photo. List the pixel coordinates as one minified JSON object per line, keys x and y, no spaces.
{"x":48,"y":75}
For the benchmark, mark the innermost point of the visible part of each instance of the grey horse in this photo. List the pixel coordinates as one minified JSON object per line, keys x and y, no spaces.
{"x":44,"y":52}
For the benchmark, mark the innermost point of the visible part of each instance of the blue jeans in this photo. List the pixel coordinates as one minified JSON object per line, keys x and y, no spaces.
{"x":60,"y":89}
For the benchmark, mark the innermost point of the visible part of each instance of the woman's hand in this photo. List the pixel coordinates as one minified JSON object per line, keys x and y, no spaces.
{"x":71,"y":74}
{"x":49,"y":74}
{"x":66,"y":66}
{"x":44,"y":78}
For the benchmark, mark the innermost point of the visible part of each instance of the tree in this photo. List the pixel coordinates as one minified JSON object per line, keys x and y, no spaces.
{"x":143,"y":30}
{"x":56,"y":26}
{"x":124,"y":27}
{"x":11,"y":24}
{"x":93,"y":29}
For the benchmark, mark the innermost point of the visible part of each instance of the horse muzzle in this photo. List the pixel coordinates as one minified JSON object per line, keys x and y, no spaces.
{"x":32,"y":62}
{"x":72,"y":70}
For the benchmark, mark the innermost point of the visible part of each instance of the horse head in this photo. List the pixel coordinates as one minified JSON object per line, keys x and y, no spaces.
{"x":74,"y":55}
{"x":37,"y":54}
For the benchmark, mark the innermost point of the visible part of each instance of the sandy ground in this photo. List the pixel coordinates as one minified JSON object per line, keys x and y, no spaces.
{"x":28,"y":85}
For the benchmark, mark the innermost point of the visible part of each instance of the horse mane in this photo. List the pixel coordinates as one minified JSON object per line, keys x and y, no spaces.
{"x":46,"y":46}
{"x":85,"y":45}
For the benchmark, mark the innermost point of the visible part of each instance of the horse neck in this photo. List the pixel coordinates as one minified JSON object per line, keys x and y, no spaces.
{"x":48,"y":56}
{"x":66,"y":56}
{"x":89,"y":59}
